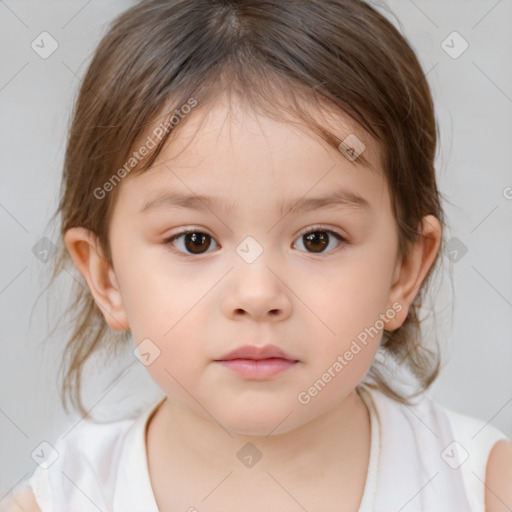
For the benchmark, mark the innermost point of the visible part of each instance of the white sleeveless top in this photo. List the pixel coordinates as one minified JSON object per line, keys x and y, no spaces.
{"x":422,"y":458}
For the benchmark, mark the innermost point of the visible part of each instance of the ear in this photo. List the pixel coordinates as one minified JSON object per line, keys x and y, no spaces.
{"x":411,"y":271}
{"x":85,"y":250}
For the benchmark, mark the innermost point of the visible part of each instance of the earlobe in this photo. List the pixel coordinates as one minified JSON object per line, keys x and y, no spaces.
{"x":85,"y":251}
{"x":411,"y":272}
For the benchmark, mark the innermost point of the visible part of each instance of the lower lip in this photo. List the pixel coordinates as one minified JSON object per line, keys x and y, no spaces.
{"x":258,"y":368}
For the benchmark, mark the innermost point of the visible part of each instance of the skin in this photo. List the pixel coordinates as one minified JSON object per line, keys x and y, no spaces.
{"x":195,"y":308}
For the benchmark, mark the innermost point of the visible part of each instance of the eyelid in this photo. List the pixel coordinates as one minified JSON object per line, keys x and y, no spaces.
{"x":308,"y":229}
{"x":321,"y":227}
{"x":189,"y":229}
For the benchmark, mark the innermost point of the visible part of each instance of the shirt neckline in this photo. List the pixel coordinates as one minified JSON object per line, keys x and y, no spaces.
{"x":134,"y":468}
{"x":137,"y":457}
{"x":370,"y":487}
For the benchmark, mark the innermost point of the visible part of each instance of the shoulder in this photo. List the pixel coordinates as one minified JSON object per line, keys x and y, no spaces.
{"x":490,"y":461}
{"x":88,"y":453}
{"x":475,"y":457}
{"x":498,"y":478}
{"x":22,"y":501}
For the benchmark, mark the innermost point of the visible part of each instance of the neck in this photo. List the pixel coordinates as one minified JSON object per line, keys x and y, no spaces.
{"x":334,"y":440}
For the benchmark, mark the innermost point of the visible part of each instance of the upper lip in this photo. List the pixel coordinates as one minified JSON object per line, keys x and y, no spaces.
{"x":254,"y":352}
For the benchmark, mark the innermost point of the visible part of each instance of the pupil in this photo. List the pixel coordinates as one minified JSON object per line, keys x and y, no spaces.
{"x":317,"y":237}
{"x":198,"y":242}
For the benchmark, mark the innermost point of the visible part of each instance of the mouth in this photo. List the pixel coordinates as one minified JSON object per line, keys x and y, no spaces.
{"x":257,"y":363}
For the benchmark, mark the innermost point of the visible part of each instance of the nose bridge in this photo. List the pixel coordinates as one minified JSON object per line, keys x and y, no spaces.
{"x":256,"y":286}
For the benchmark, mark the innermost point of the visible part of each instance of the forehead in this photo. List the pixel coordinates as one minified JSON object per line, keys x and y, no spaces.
{"x":230,"y":115}
{"x":228,"y":147}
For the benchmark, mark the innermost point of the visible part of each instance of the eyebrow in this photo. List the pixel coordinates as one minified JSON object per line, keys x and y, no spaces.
{"x":337,"y":198}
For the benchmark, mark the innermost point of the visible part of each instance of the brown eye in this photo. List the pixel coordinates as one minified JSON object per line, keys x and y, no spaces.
{"x":317,"y":241}
{"x":191,"y":242}
{"x":197,"y":242}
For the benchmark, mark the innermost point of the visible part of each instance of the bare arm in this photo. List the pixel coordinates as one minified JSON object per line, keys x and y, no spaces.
{"x":498,"y":478}
{"x":22,"y":501}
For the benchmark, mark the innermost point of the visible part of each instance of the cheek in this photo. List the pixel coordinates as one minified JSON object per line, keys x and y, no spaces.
{"x":164,"y":305}
{"x":346,"y":310}
{"x":156,"y":294}
{"x":180,"y":340}
{"x":350,"y":298}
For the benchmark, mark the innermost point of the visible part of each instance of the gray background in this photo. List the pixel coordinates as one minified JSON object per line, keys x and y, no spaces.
{"x":473,"y":95}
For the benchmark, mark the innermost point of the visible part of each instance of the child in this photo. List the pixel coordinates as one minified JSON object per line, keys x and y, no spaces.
{"x":249,"y":192}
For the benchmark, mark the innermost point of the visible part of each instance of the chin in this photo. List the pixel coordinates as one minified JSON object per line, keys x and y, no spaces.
{"x":260,"y":421}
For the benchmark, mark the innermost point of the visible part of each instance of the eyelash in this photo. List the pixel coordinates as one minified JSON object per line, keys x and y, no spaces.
{"x":312,"y":229}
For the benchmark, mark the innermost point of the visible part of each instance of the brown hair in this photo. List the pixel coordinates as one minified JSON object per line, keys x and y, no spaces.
{"x":341,"y":55}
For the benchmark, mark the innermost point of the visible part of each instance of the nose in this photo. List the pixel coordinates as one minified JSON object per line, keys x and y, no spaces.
{"x":257,"y":291}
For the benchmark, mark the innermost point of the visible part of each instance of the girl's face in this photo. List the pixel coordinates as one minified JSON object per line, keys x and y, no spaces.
{"x":265,"y":267}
